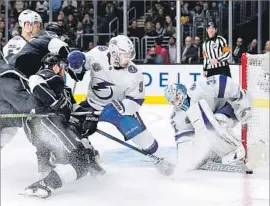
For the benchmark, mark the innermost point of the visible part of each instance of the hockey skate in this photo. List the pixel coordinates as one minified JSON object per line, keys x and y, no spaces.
{"x":37,"y":189}
{"x":164,"y":167}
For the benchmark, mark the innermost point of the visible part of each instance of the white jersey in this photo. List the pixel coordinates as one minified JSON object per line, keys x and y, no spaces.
{"x":14,"y":45}
{"x":107,"y":83}
{"x":215,"y":90}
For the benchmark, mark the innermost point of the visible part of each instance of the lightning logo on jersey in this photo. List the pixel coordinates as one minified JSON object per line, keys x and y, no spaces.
{"x":102,"y":89}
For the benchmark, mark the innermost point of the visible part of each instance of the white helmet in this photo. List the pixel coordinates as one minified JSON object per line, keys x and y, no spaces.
{"x":122,"y":51}
{"x":25,"y":16}
{"x":36,"y":17}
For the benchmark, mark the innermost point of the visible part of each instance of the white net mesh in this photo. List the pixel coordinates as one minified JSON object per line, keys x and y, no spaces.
{"x":258,"y":86}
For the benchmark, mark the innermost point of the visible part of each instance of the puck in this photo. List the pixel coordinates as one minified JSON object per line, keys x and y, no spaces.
{"x":249,"y":172}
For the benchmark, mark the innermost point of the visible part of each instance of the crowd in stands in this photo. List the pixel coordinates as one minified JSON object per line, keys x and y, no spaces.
{"x":159,"y":21}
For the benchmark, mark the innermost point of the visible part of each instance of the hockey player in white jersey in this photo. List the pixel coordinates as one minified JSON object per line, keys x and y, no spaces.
{"x":30,"y":23}
{"x":117,"y":89}
{"x":203,"y":118}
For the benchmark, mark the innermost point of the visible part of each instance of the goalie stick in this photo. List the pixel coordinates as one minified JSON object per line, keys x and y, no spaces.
{"x":212,"y":166}
{"x":156,"y":160}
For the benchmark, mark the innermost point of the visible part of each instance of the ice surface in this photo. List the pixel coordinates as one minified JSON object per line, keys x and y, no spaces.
{"x":130,"y":178}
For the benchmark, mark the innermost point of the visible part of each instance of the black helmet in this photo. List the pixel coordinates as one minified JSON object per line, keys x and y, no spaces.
{"x":56,"y":28}
{"x":51,"y":59}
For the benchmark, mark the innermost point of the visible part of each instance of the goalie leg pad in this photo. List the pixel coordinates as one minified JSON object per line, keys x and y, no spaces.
{"x":204,"y":122}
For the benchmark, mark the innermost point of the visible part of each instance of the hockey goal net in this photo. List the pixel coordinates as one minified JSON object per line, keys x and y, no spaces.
{"x":255,"y":79}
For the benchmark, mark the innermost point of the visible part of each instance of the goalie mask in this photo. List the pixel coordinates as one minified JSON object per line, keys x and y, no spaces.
{"x":122,"y":51}
{"x":176,"y":94}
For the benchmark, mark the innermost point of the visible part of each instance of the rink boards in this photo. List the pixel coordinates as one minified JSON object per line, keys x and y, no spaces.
{"x":156,"y":77}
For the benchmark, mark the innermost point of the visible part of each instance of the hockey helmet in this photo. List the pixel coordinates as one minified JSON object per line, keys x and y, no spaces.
{"x":57,"y":29}
{"x":51,"y":59}
{"x":24,"y":17}
{"x":122,"y":50}
{"x":36,"y":17}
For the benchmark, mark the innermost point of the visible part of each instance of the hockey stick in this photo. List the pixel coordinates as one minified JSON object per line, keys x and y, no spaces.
{"x":22,"y":115}
{"x":156,"y":160}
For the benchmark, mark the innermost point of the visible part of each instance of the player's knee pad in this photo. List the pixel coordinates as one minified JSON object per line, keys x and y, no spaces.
{"x":79,"y":159}
{"x":146,"y":141}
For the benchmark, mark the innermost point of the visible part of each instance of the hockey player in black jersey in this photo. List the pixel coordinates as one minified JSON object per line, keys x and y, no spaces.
{"x":14,"y":89}
{"x":55,"y":133}
{"x":17,"y":96}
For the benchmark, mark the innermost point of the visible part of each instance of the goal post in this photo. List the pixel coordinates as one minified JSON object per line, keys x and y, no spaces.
{"x":255,"y":79}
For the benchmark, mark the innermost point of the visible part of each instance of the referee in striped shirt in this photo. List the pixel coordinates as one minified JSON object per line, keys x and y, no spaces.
{"x":216,"y":53}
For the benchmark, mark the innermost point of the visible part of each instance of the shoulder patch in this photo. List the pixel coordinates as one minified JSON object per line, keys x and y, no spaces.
{"x":132,"y":69}
{"x":96,"y":67}
{"x":102,"y":48}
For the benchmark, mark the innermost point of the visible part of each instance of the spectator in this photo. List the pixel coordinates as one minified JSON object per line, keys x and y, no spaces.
{"x":267,"y":47}
{"x":19,"y":6}
{"x":87,"y":24}
{"x":60,"y":20}
{"x":199,"y":15}
{"x":151,"y":56}
{"x":12,"y":14}
{"x":148,"y":29}
{"x":2,"y":28}
{"x":69,"y":9}
{"x":71,"y":23}
{"x":56,"y":7}
{"x":214,"y":6}
{"x":159,"y":31}
{"x":67,"y":2}
{"x":41,"y":9}
{"x":169,"y":29}
{"x":238,"y":51}
{"x":184,"y":9}
{"x":252,"y":47}
{"x":79,"y":32}
{"x":198,"y":45}
{"x":172,"y":10}
{"x":172,"y":50}
{"x":162,"y":53}
{"x":134,"y":31}
{"x":90,"y":46}
{"x":71,"y":41}
{"x":160,"y":17}
{"x":26,"y":5}
{"x":190,"y":53}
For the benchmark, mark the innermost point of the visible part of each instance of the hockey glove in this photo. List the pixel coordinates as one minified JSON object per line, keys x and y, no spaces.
{"x":76,"y":60}
{"x":88,"y":122}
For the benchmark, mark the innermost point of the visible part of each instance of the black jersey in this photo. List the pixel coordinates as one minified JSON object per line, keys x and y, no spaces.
{"x":28,"y":60}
